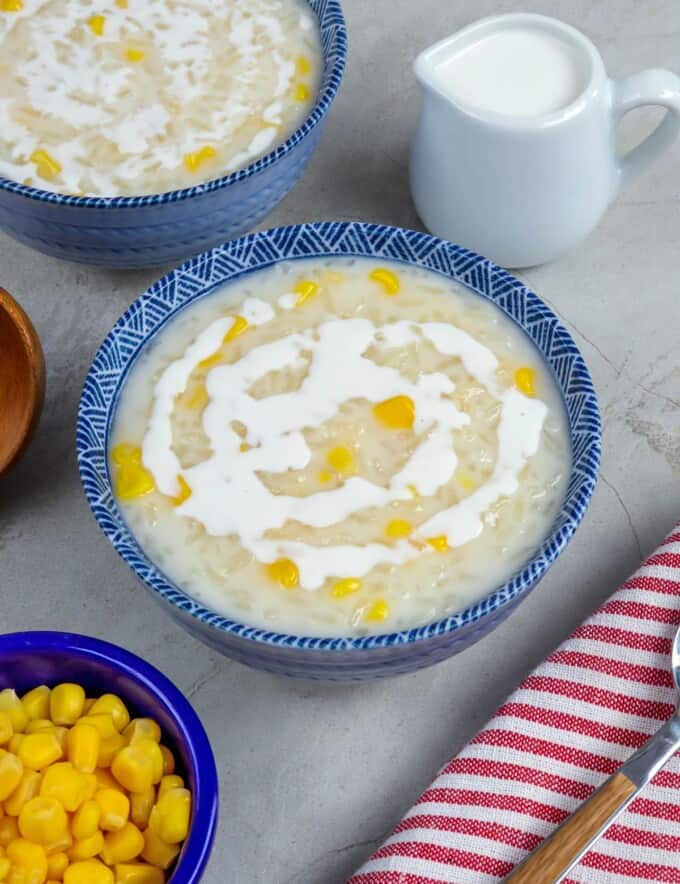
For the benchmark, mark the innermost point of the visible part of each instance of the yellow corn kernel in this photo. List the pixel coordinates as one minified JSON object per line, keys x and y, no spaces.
{"x":12,"y":706}
{"x":194,"y":161}
{"x":87,"y":848}
{"x":113,"y":706}
{"x":304,"y":66}
{"x":103,"y":723}
{"x":15,"y":742}
{"x":133,"y":481}
{"x":378,"y":611}
{"x":66,"y":703}
{"x":138,"y":873}
{"x":171,"y":815}
{"x":11,"y":5}
{"x":46,"y":165}
{"x":9,"y":830}
{"x":6,"y":729}
{"x":285,"y":572}
{"x":302,"y":92}
{"x":324,"y":476}
{"x":11,"y":771}
{"x":56,"y":866}
{"x":38,"y":751}
{"x":440,"y":543}
{"x":5,"y":868}
{"x":122,"y":4}
{"x":168,"y":761}
{"x":388,"y":280}
{"x":340,"y":459}
{"x":85,"y":820}
{"x":114,"y":807}
{"x":28,"y":788}
{"x":345,"y":587}
{"x":37,"y":703}
{"x":215,"y":359}
{"x":83,"y":743}
{"x":305,"y":289}
{"x":525,"y":381}
{"x":91,"y":871}
{"x":134,"y":55}
{"x":397,"y":413}
{"x":69,"y":786}
{"x":198,"y":399}
{"x":142,"y":729}
{"x":61,"y":845}
{"x":108,"y":748}
{"x":141,"y":804}
{"x":122,"y":454}
{"x":172,"y":781}
{"x":158,"y":852}
{"x":105,"y":780}
{"x":29,"y":862}
{"x":97,"y":23}
{"x":40,"y":725}
{"x":466,"y":481}
{"x":185,"y":491}
{"x":122,"y":846}
{"x":398,"y":528}
{"x":42,"y":820}
{"x":90,"y":701}
{"x":240,"y":325}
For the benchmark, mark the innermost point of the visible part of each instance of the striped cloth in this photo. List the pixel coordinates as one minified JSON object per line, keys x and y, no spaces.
{"x":557,"y":738}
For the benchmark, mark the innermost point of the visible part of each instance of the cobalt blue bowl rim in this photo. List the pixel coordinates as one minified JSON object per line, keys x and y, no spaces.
{"x":325,"y":98}
{"x":121,"y":537}
{"x":199,"y":843}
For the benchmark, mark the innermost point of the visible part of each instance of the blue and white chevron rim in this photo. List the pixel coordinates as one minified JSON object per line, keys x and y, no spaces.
{"x":207,"y":272}
{"x":334,"y":45}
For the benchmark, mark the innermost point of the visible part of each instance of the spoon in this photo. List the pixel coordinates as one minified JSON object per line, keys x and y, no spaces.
{"x":22,"y":380}
{"x":557,"y":855}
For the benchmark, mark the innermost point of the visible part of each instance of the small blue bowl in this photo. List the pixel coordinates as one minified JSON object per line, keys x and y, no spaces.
{"x":147,"y":231}
{"x":28,"y":659}
{"x":341,"y":658}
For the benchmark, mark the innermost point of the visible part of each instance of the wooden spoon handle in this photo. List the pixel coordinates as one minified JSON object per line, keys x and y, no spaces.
{"x":556,"y":854}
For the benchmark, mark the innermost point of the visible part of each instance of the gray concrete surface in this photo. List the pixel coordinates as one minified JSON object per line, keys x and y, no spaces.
{"x":312,"y":777}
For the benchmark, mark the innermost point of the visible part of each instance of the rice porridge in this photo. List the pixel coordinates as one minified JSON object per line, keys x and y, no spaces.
{"x":128,"y":97}
{"x":337,"y":447}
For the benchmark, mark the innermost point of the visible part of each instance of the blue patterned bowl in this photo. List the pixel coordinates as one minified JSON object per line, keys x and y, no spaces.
{"x":147,"y":231}
{"x":341,"y":658}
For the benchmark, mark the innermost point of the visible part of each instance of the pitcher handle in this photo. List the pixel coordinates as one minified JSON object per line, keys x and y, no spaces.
{"x":652,"y":87}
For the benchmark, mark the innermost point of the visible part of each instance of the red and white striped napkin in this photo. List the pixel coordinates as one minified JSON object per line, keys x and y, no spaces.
{"x":556,"y":739}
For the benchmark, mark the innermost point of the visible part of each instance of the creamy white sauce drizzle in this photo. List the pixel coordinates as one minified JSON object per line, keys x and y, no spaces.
{"x":228,"y":497}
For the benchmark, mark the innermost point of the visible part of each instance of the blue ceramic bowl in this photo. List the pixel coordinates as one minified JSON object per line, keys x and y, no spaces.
{"x":147,"y":231}
{"x":28,"y":659}
{"x":340,"y":658}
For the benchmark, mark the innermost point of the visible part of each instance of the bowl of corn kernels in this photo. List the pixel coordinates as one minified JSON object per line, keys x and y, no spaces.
{"x":106,"y":772}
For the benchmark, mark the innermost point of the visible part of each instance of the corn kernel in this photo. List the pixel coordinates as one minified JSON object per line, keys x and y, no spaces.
{"x":29,"y":862}
{"x":40,"y":725}
{"x":69,"y":786}
{"x":45,"y":164}
{"x":340,"y":459}
{"x":28,"y":788}
{"x":378,"y":611}
{"x":136,"y":767}
{"x":97,"y":23}
{"x":122,"y":4}
{"x":6,"y":729}
{"x":133,"y":481}
{"x":285,"y":572}
{"x":324,"y":476}
{"x":108,"y":748}
{"x":194,"y":161}
{"x":185,"y":491}
{"x":302,"y":92}
{"x":59,"y":845}
{"x":105,"y":780}
{"x":305,"y":289}
{"x":122,"y":846}
{"x":37,"y":702}
{"x":56,"y":866}
{"x":11,"y":5}
{"x":525,"y":381}
{"x":42,"y":820}
{"x":91,"y":871}
{"x":158,"y":852}
{"x":240,"y":325}
{"x":11,"y":770}
{"x":113,"y":706}
{"x":388,"y":280}
{"x":114,"y":807}
{"x":398,"y":528}
{"x":168,"y":761}
{"x":345,"y":587}
{"x":170,"y":817}
{"x":172,"y":781}
{"x":12,"y":706}
{"x":38,"y":751}
{"x":90,"y":701}
{"x":83,"y":743}
{"x":141,"y":804}
{"x":85,"y":820}
{"x":103,"y":723}
{"x":303,"y":65}
{"x":66,"y":703}
{"x":15,"y":743}
{"x":215,"y":359}
{"x":9,"y":830}
{"x":439,"y":543}
{"x":134,"y":55}
{"x":397,"y":413}
{"x":466,"y":481}
{"x":122,"y":454}
{"x":5,"y":868}
{"x":138,"y":873}
{"x":142,"y":729}
{"x":87,"y":848}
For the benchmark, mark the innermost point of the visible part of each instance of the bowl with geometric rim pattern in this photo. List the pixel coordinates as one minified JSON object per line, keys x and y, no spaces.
{"x":341,"y":658}
{"x":147,"y":231}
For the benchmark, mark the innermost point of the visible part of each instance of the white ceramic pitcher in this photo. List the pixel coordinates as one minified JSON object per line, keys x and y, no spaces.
{"x":523,"y":190}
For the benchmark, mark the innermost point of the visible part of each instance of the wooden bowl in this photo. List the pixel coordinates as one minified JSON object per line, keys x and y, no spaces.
{"x":22,"y":380}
